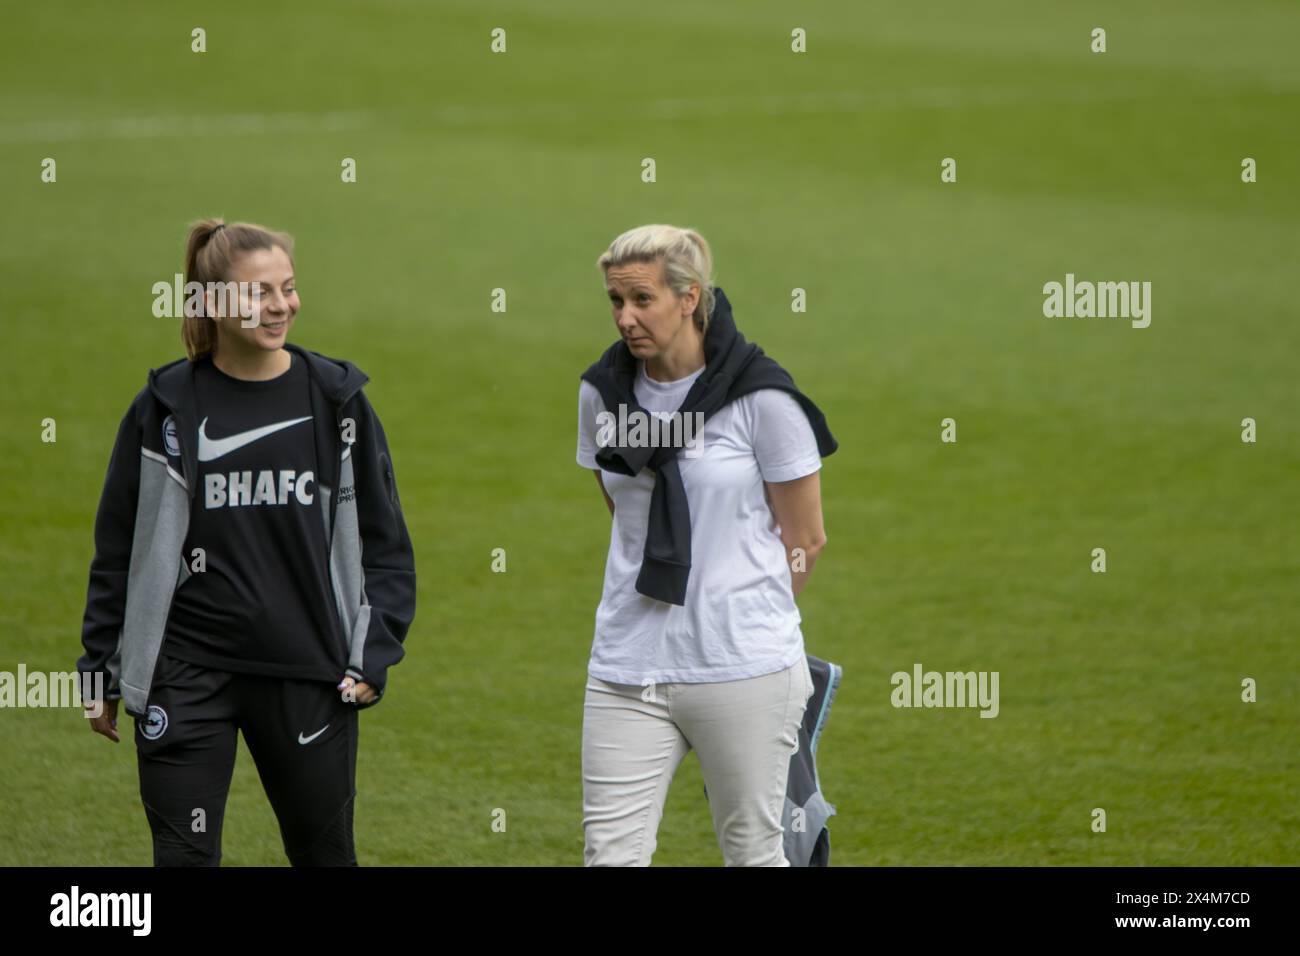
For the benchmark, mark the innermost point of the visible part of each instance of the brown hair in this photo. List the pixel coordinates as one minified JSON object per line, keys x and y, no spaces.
{"x":210,"y":251}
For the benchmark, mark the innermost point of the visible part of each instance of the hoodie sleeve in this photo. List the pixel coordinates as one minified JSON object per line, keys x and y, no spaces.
{"x":387,"y":560}
{"x":101,"y":627}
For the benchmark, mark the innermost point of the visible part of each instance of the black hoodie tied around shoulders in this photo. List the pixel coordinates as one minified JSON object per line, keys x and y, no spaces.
{"x":733,"y":367}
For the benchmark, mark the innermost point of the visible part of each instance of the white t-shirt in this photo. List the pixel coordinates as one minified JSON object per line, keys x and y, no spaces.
{"x":740,"y":619}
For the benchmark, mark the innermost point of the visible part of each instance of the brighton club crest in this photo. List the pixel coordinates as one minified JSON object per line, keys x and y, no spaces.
{"x":171,"y":443}
{"x":154,"y":724}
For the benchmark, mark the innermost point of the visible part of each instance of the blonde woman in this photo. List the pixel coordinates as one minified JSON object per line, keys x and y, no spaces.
{"x":252,"y":569}
{"x":697,"y":642}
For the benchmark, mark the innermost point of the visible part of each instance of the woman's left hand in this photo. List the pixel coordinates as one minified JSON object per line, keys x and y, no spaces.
{"x":361,"y":693}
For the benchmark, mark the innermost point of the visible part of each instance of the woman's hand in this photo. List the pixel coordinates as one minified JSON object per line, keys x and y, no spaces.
{"x":353,"y":692}
{"x":106,"y":722}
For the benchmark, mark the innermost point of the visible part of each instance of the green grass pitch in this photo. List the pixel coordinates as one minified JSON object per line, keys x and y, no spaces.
{"x":817,"y":171}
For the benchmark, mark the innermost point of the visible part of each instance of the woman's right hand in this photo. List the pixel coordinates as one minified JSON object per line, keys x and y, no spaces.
{"x":106,"y":722}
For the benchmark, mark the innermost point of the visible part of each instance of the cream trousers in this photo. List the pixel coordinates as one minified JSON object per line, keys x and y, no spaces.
{"x":634,"y":738}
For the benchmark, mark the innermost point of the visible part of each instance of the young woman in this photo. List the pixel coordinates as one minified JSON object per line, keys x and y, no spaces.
{"x":697,"y":641}
{"x":252,"y":568}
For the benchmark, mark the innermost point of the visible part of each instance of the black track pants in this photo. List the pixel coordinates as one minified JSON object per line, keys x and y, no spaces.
{"x":303,"y":738}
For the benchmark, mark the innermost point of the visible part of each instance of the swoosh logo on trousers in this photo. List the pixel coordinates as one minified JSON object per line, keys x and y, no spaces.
{"x":210,"y":448}
{"x":307,"y":740}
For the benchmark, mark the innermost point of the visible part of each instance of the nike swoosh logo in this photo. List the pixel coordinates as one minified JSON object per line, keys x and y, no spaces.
{"x":210,"y":448}
{"x":307,"y":740}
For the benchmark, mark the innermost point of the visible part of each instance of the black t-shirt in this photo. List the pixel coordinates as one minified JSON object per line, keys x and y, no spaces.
{"x":264,"y":605}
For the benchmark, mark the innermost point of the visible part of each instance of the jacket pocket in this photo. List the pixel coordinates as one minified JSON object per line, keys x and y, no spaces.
{"x":390,"y":480}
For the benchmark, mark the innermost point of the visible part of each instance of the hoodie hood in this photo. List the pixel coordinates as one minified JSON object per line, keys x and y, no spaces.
{"x":338,"y":380}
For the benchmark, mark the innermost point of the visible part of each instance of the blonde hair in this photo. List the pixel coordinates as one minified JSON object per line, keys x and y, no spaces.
{"x":685,"y":255}
{"x":211,"y":249}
